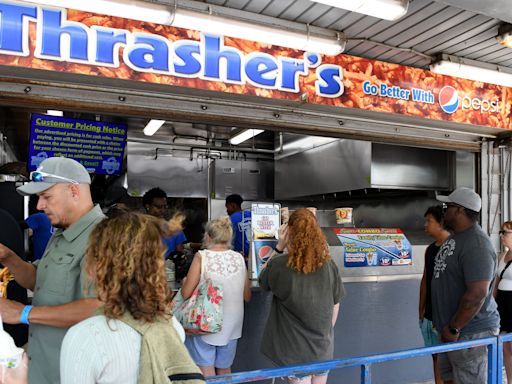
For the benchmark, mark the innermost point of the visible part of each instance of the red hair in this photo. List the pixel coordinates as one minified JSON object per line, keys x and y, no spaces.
{"x":307,"y":245}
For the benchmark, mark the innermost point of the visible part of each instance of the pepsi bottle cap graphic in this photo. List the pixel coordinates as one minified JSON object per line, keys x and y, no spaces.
{"x":448,"y":99}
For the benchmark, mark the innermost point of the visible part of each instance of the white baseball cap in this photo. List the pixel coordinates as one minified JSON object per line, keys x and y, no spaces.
{"x":465,"y":197}
{"x":55,"y":170}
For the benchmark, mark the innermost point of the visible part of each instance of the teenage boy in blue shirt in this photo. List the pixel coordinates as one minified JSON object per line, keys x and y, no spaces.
{"x":241,"y":222}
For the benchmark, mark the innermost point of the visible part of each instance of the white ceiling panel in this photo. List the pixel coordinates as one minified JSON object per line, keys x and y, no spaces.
{"x":275,"y":8}
{"x":473,"y":26}
{"x":465,"y":28}
{"x":256,"y":7}
{"x":500,"y":9}
{"x":503,"y":60}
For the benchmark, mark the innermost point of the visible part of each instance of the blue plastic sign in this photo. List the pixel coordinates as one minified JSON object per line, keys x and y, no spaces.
{"x":98,"y":146}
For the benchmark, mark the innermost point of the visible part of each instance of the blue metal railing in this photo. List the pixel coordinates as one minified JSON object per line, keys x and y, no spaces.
{"x":499,"y":359}
{"x":494,"y":349}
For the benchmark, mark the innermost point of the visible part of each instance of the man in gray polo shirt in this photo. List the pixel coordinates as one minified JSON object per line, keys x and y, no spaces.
{"x":58,"y":280}
{"x":462,"y":285}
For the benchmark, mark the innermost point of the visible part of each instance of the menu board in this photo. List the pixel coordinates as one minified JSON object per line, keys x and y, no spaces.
{"x":374,"y":247}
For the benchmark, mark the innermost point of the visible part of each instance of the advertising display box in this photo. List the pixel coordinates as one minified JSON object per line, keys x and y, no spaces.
{"x":265,"y":224}
{"x":374,"y":247}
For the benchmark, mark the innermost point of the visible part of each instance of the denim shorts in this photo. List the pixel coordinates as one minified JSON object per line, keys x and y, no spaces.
{"x":207,"y":355}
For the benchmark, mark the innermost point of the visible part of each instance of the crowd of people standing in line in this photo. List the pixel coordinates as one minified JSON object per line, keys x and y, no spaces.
{"x":101,"y":306}
{"x":465,"y":292}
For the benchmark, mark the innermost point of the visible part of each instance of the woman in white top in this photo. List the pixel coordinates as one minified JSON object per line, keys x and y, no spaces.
{"x":214,"y":354}
{"x":504,"y":294}
{"x":125,"y":259}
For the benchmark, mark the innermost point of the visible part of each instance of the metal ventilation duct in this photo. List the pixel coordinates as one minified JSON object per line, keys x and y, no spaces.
{"x":346,"y":165}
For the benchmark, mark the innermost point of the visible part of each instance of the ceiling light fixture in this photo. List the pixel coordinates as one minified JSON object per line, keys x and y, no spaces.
{"x":54,"y":112}
{"x":308,"y":142}
{"x":210,"y":18}
{"x":472,"y":70}
{"x":244,"y":135}
{"x":153,"y":126}
{"x":383,"y":9}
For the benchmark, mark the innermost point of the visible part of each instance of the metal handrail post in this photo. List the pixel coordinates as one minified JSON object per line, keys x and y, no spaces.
{"x":492,"y":362}
{"x":504,"y":338}
{"x":366,"y":374}
{"x":499,"y":361}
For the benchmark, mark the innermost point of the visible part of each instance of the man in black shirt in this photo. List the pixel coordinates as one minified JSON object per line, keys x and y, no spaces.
{"x":11,"y":236}
{"x":434,"y":228}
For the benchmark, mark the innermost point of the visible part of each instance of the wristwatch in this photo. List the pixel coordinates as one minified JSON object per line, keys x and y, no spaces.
{"x":277,"y":250}
{"x":454,"y":331}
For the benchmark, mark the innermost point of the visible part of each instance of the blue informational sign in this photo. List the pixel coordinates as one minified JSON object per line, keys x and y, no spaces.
{"x":374,"y":247}
{"x":98,"y":146}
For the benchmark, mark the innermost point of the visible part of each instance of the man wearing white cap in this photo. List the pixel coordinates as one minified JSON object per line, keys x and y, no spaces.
{"x":462,"y":286}
{"x":58,"y":280}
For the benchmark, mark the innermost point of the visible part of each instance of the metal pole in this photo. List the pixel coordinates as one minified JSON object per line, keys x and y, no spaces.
{"x":366,"y":375}
{"x":492,"y":362}
{"x":499,"y":361}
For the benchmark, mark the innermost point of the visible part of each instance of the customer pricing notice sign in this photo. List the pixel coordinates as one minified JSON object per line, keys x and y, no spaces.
{"x":98,"y":146}
{"x":71,"y":41}
{"x":374,"y":247}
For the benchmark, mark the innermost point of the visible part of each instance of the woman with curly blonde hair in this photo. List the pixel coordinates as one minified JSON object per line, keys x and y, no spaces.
{"x":134,"y":332}
{"x":307,"y":288}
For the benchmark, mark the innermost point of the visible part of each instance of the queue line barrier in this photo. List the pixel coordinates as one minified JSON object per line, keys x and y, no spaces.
{"x":494,"y":349}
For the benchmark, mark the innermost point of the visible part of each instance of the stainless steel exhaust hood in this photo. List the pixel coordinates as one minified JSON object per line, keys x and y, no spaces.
{"x":345,"y":165}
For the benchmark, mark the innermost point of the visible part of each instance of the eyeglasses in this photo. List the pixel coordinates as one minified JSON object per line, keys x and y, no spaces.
{"x":40,"y":177}
{"x":503,"y":232}
{"x":448,"y":205}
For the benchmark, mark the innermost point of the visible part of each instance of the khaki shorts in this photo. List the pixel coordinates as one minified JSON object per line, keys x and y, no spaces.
{"x":466,"y":366}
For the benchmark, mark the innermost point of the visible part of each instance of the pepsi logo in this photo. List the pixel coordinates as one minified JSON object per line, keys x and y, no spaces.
{"x":264,"y":252}
{"x":448,"y":99}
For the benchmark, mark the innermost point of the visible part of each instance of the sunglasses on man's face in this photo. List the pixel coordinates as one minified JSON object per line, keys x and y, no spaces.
{"x":43,"y":177}
{"x":448,"y":205}
{"x":503,"y":232}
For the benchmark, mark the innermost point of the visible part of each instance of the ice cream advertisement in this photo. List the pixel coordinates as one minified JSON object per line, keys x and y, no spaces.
{"x":374,"y":247}
{"x":265,"y":220}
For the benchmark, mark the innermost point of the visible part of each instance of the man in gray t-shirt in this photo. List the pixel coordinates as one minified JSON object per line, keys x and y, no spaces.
{"x":462,"y":285}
